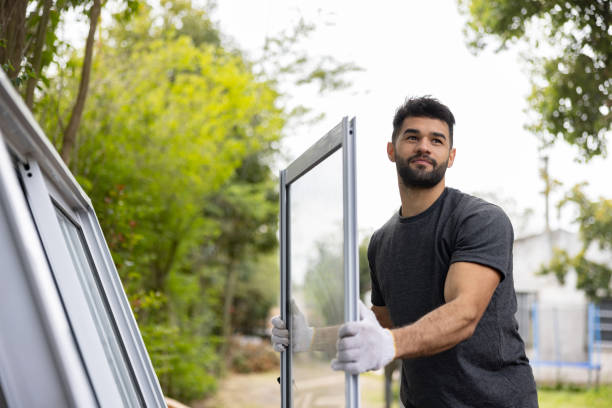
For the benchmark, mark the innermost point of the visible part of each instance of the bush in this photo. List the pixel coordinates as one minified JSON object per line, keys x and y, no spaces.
{"x":252,"y":355}
{"x":185,"y":364}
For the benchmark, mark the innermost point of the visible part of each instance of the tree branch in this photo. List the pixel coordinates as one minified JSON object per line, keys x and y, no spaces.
{"x":13,"y":33}
{"x":41,"y":34}
{"x":70,"y":134}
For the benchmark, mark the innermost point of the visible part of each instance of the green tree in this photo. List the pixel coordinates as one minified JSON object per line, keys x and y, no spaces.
{"x":246,"y":208}
{"x":256,"y":293}
{"x":29,"y":44}
{"x":569,"y":63}
{"x":174,"y":149}
{"x":595,"y":220}
{"x":166,"y":127}
{"x":570,"y":74}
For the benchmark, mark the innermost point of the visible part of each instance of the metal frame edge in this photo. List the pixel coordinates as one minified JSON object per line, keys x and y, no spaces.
{"x":285,"y":288}
{"x":351,"y":255}
{"x":328,"y":144}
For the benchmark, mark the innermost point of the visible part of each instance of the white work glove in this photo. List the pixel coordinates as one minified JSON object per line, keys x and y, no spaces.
{"x":301,"y":333}
{"x":364,"y":345}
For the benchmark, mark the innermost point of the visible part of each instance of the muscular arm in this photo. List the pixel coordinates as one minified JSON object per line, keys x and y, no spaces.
{"x":467,"y":292}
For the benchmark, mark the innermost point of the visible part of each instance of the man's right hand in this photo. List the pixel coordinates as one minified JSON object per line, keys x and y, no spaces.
{"x":302,"y":334}
{"x":280,"y":335}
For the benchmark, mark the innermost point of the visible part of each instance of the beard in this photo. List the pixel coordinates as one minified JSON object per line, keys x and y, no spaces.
{"x":420,"y":178}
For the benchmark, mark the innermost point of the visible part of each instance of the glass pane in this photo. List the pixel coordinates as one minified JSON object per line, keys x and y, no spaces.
{"x":317,"y":282}
{"x":113,"y":352}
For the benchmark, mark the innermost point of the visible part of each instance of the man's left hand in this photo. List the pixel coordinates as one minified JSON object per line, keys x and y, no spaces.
{"x":364,"y":345}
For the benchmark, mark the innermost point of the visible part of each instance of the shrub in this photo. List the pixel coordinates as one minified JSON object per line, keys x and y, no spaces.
{"x":252,"y":355}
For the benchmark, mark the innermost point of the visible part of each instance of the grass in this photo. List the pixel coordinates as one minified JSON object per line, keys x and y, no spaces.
{"x":574,"y":397}
{"x":548,"y":397}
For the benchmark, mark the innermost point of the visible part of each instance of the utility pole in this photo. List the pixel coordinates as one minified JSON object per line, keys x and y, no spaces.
{"x":547,"y":188}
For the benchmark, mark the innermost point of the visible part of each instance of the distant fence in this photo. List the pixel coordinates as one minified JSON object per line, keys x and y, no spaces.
{"x":562,"y":335}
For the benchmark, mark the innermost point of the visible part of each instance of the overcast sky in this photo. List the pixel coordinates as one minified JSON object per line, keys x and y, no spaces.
{"x":411,"y":48}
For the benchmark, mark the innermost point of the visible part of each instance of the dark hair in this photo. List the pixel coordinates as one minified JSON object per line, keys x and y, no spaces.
{"x":424,"y":106}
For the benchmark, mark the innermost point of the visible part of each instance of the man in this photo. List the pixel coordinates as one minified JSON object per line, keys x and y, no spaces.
{"x":442,"y":288}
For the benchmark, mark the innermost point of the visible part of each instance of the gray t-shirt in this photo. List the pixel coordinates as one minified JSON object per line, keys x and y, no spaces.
{"x":409,"y":260}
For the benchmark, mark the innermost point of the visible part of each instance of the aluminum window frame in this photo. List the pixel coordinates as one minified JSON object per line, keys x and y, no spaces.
{"x":48,"y":183}
{"x":39,"y":362}
{"x":342,"y":136}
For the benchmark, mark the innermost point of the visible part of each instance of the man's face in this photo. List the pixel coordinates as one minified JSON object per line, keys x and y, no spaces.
{"x":422,"y":152}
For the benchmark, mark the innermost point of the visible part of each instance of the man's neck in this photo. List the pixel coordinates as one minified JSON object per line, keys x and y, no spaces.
{"x":417,"y":200}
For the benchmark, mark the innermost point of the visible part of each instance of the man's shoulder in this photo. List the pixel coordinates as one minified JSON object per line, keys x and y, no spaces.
{"x":472,"y":214}
{"x":466,"y":205}
{"x":385,"y":229}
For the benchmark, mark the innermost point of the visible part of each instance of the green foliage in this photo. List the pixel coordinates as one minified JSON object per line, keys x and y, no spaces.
{"x":174,"y":152}
{"x":285,"y":59}
{"x":256,"y":292}
{"x":52,"y":47}
{"x":184,"y":359}
{"x":595,"y":220}
{"x":287,"y":62}
{"x":571,"y":88}
{"x":184,"y":364}
{"x":174,"y":149}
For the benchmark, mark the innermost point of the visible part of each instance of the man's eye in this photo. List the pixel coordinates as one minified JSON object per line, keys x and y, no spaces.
{"x":437,"y":141}
{"x":411,"y":138}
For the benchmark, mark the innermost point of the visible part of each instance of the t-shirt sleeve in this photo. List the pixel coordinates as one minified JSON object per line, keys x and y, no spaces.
{"x":485,"y":236}
{"x":376,"y":296}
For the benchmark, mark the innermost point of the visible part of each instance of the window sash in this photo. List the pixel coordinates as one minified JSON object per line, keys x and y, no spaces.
{"x":39,"y":362}
{"x":342,"y":137}
{"x":69,"y":285}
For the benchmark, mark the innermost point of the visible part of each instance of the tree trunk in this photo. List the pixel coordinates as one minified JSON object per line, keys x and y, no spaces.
{"x":162,"y":267}
{"x":41,"y":36}
{"x":70,"y":133}
{"x":13,"y":33}
{"x":228,"y":301}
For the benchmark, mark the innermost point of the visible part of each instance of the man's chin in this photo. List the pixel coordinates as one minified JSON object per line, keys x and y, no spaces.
{"x":420,"y":181}
{"x":421,"y":185}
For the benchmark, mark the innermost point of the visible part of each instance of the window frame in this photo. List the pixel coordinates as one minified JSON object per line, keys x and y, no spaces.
{"x":47,"y":183}
{"x":604,"y":308}
{"x":342,"y":136}
{"x":38,"y":357}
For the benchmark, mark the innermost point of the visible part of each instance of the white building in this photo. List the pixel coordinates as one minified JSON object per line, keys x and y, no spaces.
{"x":557,"y":336}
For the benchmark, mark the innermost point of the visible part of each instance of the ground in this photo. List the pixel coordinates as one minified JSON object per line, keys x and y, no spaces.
{"x":262,"y":391}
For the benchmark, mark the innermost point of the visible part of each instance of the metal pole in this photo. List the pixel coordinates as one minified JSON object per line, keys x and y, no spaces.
{"x":351,"y":256}
{"x":286,"y":400}
{"x":536,"y":331}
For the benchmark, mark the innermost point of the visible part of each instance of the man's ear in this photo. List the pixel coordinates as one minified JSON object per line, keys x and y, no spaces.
{"x":451,"y":157}
{"x":391,"y":152}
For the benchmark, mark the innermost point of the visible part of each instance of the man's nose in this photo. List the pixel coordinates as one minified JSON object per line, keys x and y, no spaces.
{"x":423,"y":146}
